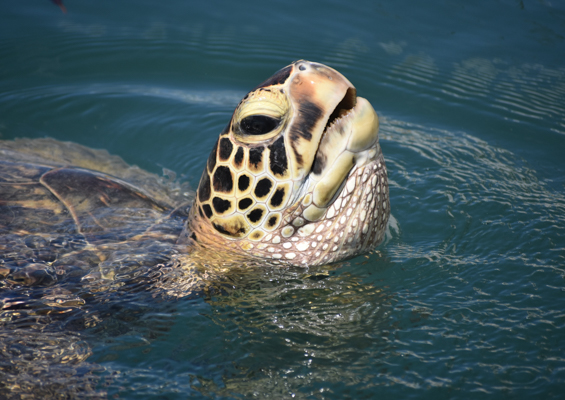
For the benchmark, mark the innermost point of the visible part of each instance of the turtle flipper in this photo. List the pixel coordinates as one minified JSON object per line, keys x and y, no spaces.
{"x":102,"y":206}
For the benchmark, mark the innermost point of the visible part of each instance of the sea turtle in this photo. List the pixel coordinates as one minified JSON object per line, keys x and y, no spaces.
{"x":297,"y":178}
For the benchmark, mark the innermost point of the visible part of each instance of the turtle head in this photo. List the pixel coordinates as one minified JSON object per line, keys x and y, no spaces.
{"x":298,"y":175}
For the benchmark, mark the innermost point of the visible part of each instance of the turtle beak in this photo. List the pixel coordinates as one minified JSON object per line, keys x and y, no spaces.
{"x":331,"y":131}
{"x":349,"y":140}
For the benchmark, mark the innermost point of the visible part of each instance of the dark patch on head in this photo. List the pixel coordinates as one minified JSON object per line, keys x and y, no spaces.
{"x":226,"y":148}
{"x":255,"y":215}
{"x":221,"y":229}
{"x":243,"y":183}
{"x":299,"y":159}
{"x":226,"y":129}
{"x":204,"y":187}
{"x":256,"y":156}
{"x":238,"y":158}
{"x":193,"y":237}
{"x":263,"y":187}
{"x":223,"y":181}
{"x":207,"y":210}
{"x":237,"y":230}
{"x":278,"y":78}
{"x":278,"y":197}
{"x":319,"y":163}
{"x":200,"y":212}
{"x":308,"y":115}
{"x":256,"y":235}
{"x":272,"y":221}
{"x":245,"y":203}
{"x":277,"y":158}
{"x":221,"y":205}
{"x":212,"y":158}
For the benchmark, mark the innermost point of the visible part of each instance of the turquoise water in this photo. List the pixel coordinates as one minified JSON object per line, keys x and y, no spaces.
{"x":466,"y":298}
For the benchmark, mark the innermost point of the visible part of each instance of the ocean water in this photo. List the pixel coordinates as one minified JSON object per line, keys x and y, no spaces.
{"x":465,"y":299}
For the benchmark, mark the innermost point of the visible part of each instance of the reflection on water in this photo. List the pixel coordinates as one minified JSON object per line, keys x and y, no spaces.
{"x":275,"y":333}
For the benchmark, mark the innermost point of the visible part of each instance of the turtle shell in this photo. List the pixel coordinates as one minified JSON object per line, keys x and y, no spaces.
{"x":65,"y":208}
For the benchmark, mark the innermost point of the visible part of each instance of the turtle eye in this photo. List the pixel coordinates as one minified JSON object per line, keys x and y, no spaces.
{"x":258,"y":124}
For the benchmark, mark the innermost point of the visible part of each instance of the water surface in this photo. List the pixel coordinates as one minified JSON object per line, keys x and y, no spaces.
{"x":465,"y":299}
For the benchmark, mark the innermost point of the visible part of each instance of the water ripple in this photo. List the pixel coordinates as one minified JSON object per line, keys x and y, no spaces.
{"x":225,"y":98}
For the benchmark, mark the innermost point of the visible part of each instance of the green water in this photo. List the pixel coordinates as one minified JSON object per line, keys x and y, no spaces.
{"x":466,"y":299}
